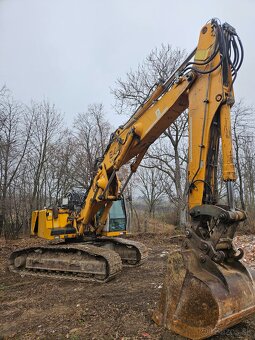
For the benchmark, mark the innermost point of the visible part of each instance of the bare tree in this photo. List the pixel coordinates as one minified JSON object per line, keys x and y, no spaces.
{"x":47,"y":125}
{"x":60,"y":170}
{"x":151,"y":186}
{"x":40,"y":160}
{"x":243,"y":140}
{"x":248,"y":167}
{"x":15,"y":135}
{"x":91,"y":136}
{"x":169,"y":153}
{"x":158,"y":65}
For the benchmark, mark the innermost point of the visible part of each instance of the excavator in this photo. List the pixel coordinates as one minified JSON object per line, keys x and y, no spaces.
{"x":207,"y":287}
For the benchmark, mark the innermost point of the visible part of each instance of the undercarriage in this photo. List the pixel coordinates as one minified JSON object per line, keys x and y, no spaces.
{"x":98,"y":260}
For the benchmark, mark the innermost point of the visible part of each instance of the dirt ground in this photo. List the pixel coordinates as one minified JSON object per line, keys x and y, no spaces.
{"x":36,"y":308}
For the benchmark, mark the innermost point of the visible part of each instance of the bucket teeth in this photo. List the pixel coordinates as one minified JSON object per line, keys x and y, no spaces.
{"x":202,"y":298}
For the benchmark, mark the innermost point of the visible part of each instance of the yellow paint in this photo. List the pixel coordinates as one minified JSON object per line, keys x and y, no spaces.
{"x":202,"y":54}
{"x":42,"y":223}
{"x":228,"y":170}
{"x":206,"y":96}
{"x":114,"y":233}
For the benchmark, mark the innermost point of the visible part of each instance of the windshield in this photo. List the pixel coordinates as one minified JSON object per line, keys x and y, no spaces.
{"x":117,"y":220}
{"x":117,"y":210}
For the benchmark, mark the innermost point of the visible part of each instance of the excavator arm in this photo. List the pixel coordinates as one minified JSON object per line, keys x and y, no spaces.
{"x":130,"y":142}
{"x":205,"y":87}
{"x":207,"y":288}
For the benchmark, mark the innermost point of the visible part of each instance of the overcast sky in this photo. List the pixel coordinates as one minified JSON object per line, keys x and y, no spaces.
{"x":72,"y":51}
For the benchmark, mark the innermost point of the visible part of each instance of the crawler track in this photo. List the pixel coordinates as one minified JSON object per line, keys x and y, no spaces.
{"x":81,"y":262}
{"x":132,"y":253}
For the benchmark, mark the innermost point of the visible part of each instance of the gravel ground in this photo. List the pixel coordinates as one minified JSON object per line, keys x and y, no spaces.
{"x":36,"y":308}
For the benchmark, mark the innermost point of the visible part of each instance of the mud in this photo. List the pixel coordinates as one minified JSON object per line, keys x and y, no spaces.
{"x":36,"y":308}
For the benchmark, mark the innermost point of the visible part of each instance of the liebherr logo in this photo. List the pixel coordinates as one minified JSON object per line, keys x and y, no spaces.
{"x":158,"y":113}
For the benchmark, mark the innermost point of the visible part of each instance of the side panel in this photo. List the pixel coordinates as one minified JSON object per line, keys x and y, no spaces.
{"x":47,"y":225}
{"x":34,"y":222}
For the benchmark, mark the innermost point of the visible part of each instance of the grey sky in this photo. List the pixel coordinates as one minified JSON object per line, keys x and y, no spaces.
{"x":72,"y":51}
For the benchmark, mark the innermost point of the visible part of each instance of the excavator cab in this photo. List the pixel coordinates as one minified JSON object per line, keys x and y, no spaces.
{"x":118,"y":219}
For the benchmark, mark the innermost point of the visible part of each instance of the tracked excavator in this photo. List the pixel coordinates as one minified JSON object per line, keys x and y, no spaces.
{"x":207,"y":287}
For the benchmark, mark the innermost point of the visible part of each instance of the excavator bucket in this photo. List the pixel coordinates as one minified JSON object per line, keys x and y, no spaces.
{"x":200,"y":298}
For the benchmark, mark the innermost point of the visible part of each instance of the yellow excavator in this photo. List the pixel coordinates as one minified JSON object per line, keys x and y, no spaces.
{"x":207,"y":287}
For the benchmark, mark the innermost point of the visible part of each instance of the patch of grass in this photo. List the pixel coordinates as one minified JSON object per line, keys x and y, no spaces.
{"x":81,"y":321}
{"x":74,"y":337}
{"x":2,"y":286}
